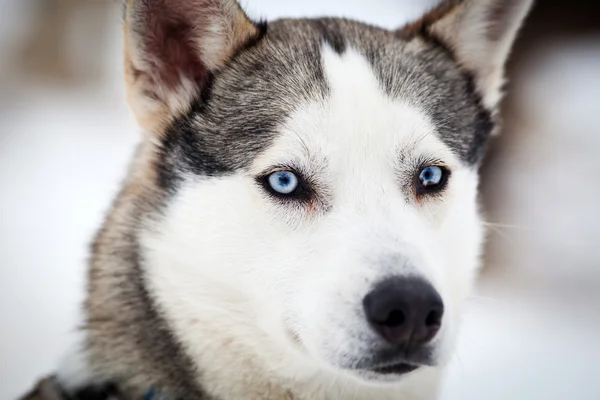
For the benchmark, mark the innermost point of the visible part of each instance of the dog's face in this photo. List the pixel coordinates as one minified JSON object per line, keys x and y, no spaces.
{"x":317,"y":179}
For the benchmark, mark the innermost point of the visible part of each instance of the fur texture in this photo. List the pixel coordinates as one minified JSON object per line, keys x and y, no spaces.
{"x":206,"y":285}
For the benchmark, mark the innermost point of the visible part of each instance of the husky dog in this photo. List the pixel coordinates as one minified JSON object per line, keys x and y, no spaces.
{"x":300,"y":220}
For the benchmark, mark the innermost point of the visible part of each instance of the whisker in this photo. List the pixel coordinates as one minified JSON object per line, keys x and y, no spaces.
{"x":483,"y":301}
{"x":508,"y":226}
{"x":498,"y":227}
{"x":510,"y":240}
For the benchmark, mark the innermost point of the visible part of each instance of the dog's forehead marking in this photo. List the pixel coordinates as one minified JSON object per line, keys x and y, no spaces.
{"x":357,"y":124}
{"x":347,"y":72}
{"x":369,"y":117}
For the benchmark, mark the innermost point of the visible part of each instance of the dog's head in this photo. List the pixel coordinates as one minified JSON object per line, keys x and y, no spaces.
{"x":317,"y":179}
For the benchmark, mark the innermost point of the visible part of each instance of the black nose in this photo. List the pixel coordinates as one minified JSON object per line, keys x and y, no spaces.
{"x":404,"y":311}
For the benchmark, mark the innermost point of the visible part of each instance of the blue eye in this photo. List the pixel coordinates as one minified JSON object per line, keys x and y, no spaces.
{"x":432,"y":177}
{"x":283,"y":182}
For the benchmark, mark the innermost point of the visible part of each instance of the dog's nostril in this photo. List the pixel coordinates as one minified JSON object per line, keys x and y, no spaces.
{"x":434,"y":318}
{"x":395,"y":319}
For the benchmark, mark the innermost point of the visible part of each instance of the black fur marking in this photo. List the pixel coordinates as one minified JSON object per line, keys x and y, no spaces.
{"x":432,"y":80}
{"x":50,"y":389}
{"x":104,"y":392}
{"x":183,"y":149}
{"x":484,"y":124}
{"x":237,"y":115}
{"x":330,"y":35}
{"x":262,"y":27}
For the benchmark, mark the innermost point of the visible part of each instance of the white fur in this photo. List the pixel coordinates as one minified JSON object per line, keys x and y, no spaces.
{"x":239,"y":275}
{"x":74,"y":369}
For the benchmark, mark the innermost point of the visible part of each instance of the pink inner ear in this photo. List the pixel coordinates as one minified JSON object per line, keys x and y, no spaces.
{"x":169,"y":49}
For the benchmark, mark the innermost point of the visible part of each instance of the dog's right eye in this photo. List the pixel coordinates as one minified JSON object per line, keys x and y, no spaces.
{"x":283,"y":182}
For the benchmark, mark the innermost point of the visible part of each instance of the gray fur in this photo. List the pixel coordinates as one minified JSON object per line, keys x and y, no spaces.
{"x":238,"y":114}
{"x":127,"y":339}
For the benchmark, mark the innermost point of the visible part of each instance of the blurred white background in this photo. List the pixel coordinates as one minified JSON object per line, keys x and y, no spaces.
{"x":533,"y":329}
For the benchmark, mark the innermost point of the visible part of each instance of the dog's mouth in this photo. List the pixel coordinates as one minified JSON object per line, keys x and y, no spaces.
{"x":390,"y":365}
{"x":395,"y":369}
{"x":387,"y":372}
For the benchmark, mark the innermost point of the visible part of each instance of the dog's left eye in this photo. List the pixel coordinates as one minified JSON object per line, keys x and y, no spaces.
{"x":283,"y":182}
{"x":432,"y":178}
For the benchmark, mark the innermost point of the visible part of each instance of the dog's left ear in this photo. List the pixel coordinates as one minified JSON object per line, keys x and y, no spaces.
{"x":171,"y":49}
{"x":479,"y":33}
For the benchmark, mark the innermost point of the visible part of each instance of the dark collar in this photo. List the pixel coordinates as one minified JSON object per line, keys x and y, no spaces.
{"x":50,"y":389}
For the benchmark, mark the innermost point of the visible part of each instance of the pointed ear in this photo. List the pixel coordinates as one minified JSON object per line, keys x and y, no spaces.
{"x":171,"y":49}
{"x":479,"y":33}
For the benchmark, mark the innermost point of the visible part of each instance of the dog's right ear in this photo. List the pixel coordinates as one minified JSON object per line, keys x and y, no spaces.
{"x":171,"y":49}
